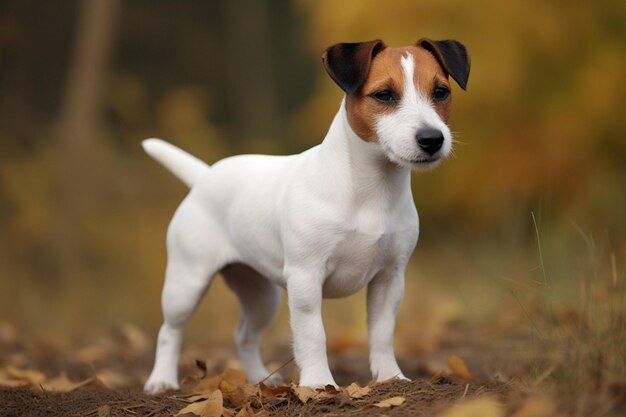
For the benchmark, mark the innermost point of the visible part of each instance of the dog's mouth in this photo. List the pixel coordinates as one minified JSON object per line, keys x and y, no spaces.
{"x":418,"y":162}
{"x":425,"y":160}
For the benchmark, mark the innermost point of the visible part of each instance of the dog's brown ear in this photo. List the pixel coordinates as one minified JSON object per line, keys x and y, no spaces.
{"x":348,"y":63}
{"x":452,"y":56}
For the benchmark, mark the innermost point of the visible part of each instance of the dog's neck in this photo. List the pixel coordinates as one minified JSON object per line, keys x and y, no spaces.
{"x":362,"y":163}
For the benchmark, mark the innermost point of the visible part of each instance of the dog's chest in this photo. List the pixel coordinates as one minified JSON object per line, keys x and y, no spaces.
{"x":362,"y":247}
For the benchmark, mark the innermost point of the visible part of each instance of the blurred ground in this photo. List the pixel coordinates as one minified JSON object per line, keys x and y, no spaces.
{"x":466,"y":374}
{"x":103,"y":377}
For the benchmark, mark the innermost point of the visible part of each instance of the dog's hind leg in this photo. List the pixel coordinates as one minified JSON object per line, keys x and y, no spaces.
{"x":196,"y":251}
{"x":258,"y":300}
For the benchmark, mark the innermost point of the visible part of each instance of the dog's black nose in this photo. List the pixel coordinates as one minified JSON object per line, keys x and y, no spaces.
{"x":430,"y":140}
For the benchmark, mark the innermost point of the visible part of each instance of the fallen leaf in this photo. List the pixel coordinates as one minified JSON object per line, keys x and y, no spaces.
{"x":330,"y":389}
{"x":137,"y":341}
{"x":208,"y":385}
{"x":228,"y":412}
{"x":356,"y":391}
{"x":459,"y":368}
{"x":213,"y":406}
{"x":390,"y":402}
{"x":190,"y":383}
{"x":236,"y":393}
{"x":479,"y":407}
{"x":536,"y":407}
{"x":200,"y":364}
{"x":112,"y":379}
{"x":248,"y":411}
{"x":304,"y":394}
{"x":243,"y":412}
{"x":92,"y":382}
{"x":273,"y":391}
{"x":60,"y":383}
{"x":34,"y":377}
{"x":235,"y":376}
{"x":191,"y":398}
{"x":14,"y":383}
{"x":92,"y":353}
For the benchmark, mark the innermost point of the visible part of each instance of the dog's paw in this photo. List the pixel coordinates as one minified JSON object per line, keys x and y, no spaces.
{"x":316,"y":377}
{"x":154,"y":386}
{"x":397,"y":377}
{"x":317,"y":383}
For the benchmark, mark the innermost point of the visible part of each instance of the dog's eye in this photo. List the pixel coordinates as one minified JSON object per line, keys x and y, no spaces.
{"x":440,"y":94}
{"x":384,"y":96}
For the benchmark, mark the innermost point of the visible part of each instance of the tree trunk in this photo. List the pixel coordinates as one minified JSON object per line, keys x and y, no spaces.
{"x":78,"y":128}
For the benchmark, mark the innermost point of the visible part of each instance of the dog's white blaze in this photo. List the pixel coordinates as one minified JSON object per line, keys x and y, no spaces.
{"x":396,"y":131}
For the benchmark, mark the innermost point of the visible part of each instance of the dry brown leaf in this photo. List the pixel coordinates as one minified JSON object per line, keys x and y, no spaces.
{"x":235,"y":376}
{"x":479,"y":407}
{"x":237,"y":394}
{"x":243,"y":412}
{"x":390,"y":402}
{"x":330,"y":389}
{"x":112,"y":379}
{"x":304,"y":394}
{"x":189,"y":383}
{"x":201,"y":365}
{"x":60,"y":383}
{"x":92,"y":382}
{"x":273,"y":391}
{"x":459,"y":368}
{"x":356,"y":391}
{"x":136,"y":338}
{"x":228,"y":412}
{"x":536,"y":407}
{"x":92,"y":353}
{"x":213,"y":406}
{"x":14,"y":383}
{"x":191,"y":398}
{"x":32,"y":376}
{"x":208,"y":385}
{"x":248,"y":411}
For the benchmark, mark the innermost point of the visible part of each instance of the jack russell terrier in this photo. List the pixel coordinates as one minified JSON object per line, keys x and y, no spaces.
{"x":323,"y":223}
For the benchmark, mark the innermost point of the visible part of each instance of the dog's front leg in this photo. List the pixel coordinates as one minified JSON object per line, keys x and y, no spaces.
{"x":309,"y":340}
{"x":384,"y":294}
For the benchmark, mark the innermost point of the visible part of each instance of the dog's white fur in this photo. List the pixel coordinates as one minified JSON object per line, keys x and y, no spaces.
{"x":323,"y":223}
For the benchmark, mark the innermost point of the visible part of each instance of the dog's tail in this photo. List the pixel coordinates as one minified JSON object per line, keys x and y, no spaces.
{"x":185,"y":166}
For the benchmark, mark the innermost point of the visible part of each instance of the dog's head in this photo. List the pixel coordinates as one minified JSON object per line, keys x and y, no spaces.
{"x":400,"y":97}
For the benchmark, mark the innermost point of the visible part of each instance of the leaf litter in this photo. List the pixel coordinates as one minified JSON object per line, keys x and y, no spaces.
{"x":103,"y":376}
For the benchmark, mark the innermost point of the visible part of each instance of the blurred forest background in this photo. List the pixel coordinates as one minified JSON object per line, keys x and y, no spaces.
{"x":83,"y":211}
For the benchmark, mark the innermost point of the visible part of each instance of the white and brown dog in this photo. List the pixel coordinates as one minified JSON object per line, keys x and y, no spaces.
{"x":322,"y":223}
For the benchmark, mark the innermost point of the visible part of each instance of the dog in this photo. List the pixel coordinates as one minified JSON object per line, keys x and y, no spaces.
{"x":321,"y":224}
